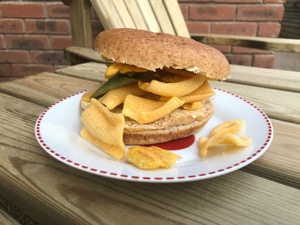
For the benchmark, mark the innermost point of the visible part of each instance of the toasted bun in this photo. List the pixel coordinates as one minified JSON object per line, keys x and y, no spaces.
{"x":153,"y":51}
{"x":178,"y":124}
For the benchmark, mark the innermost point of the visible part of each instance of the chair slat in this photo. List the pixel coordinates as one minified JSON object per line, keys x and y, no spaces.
{"x":124,"y":14}
{"x":107,"y":14}
{"x":176,"y":17}
{"x":136,"y":14}
{"x":162,"y":16}
{"x":149,"y":15}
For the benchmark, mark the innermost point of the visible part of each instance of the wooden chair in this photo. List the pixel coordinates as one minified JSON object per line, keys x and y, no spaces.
{"x":154,"y":15}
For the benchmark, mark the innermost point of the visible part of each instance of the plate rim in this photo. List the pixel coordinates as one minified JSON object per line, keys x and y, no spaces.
{"x":159,"y":179}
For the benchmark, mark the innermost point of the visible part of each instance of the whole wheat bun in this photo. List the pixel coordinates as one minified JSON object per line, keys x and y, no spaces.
{"x":153,"y":51}
{"x":178,"y":124}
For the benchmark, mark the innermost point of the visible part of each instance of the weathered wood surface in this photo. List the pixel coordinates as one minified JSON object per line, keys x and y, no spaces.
{"x":33,"y":90}
{"x":45,"y":88}
{"x":262,"y":77}
{"x":266,"y":191}
{"x":6,"y":219}
{"x":81,"y":23}
{"x":89,"y":71}
{"x":79,"y":55}
{"x":282,"y":105}
{"x":272,"y":44}
{"x":57,"y":194}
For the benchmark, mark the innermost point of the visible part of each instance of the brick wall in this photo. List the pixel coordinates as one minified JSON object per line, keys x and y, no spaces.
{"x":237,"y":17}
{"x":33,"y":34}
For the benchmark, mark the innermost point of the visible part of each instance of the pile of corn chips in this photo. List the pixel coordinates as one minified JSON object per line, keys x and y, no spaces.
{"x":144,"y":102}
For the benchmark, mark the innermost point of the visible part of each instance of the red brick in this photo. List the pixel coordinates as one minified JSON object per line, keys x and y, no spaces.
{"x":212,"y":12}
{"x":234,"y":28}
{"x":94,"y":14}
{"x":265,"y":61}
{"x":14,"y":56}
{"x":2,"y":44}
{"x":237,"y":59}
{"x":222,"y":48}
{"x":22,"y":10}
{"x":260,"y":12}
{"x":5,"y":70}
{"x":12,"y":26}
{"x":57,"y":10}
{"x":60,"y":42}
{"x":27,"y":42}
{"x":30,"y":69}
{"x":269,"y":30}
{"x":48,"y":26}
{"x":184,"y":9}
{"x":48,"y":57}
{"x":96,"y":27}
{"x":198,"y":27}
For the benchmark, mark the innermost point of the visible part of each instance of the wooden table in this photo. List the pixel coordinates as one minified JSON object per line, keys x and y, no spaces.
{"x":264,"y":192}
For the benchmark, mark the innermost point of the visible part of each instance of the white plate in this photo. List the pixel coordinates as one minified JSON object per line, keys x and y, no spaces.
{"x":57,"y":131}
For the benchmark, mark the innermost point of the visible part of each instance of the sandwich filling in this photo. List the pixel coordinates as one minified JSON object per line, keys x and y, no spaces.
{"x":169,"y":103}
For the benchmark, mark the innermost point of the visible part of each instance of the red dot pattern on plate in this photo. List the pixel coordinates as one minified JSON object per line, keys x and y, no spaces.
{"x":134,"y":177}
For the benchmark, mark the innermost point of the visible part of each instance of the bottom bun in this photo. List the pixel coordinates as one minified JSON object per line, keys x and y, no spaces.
{"x":179,"y":124}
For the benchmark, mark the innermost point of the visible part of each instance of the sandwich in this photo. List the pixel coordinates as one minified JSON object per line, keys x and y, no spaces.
{"x":157,"y":87}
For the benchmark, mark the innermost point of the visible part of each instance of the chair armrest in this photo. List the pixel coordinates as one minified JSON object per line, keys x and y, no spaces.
{"x":77,"y":55}
{"x":271,"y":44}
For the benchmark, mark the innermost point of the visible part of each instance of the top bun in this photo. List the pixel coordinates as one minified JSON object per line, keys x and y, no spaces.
{"x":153,"y":51}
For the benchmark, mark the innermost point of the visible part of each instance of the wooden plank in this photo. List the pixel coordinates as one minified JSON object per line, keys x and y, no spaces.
{"x":77,"y":55}
{"x":162,"y":16}
{"x":136,"y":14}
{"x":281,"y":105}
{"x":54,"y":192}
{"x":282,"y":156}
{"x":124,"y":14}
{"x":32,"y":89}
{"x":176,"y":18}
{"x":273,"y":44}
{"x":81,"y":25}
{"x":262,"y":77}
{"x":45,"y":88}
{"x":107,"y":14}
{"x":148,"y":15}
{"x":6,"y":219}
{"x":90,"y":71}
